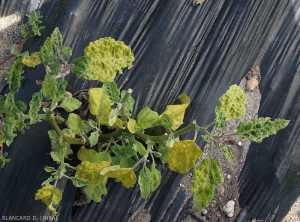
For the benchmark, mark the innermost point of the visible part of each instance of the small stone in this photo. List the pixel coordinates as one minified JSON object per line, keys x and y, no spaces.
{"x":222,"y":190}
{"x":204,"y":211}
{"x":239,"y":143}
{"x":228,"y":208}
{"x":228,"y":177}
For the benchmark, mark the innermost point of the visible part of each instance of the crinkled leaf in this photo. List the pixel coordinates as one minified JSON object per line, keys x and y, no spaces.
{"x":108,"y":57}
{"x":258,"y":129}
{"x":81,"y":67}
{"x":47,"y":53}
{"x":95,"y":192}
{"x":176,"y":112}
{"x":93,"y":138}
{"x":206,"y":177}
{"x":66,"y":53}
{"x":49,"y":195}
{"x":57,"y":39}
{"x":144,"y":182}
{"x":132,"y":126}
{"x":32,"y":61}
{"x":50,"y":87}
{"x":228,"y":154}
{"x":79,"y":182}
{"x":15,"y":75}
{"x":70,"y":104}
{"x":232,"y":103}
{"x":220,"y":120}
{"x":110,"y":89}
{"x":125,"y":175}
{"x":147,"y":118}
{"x":91,"y":171}
{"x":84,"y":154}
{"x":35,"y":105}
{"x":123,"y":151}
{"x":183,"y":155}
{"x":76,"y":124}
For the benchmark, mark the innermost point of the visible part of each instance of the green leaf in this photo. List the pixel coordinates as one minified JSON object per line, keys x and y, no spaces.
{"x":127,"y":163}
{"x":140,"y":148}
{"x":81,"y":67}
{"x":258,"y":129}
{"x":110,"y":89}
{"x":79,"y":182}
{"x":84,"y":154}
{"x":92,"y":123}
{"x":95,"y":192}
{"x":59,"y":118}
{"x":70,"y":104}
{"x":147,"y":118}
{"x":76,"y":124}
{"x":56,"y":157}
{"x":220,"y":120}
{"x":98,"y":157}
{"x":35,"y":105}
{"x":94,"y":138}
{"x":155,"y":180}
{"x":129,"y":105}
{"x":228,"y":154}
{"x":49,"y":195}
{"x":57,"y":39}
{"x":125,"y":175}
{"x":112,"y":117}
{"x":232,"y":103}
{"x":183,"y":155}
{"x":49,"y":169}
{"x":176,"y":112}
{"x":123,"y":151}
{"x":32,"y":61}
{"x":166,"y":121}
{"x":164,"y":153}
{"x":108,"y":57}
{"x":132,"y":126}
{"x":206,"y":177}
{"x":16,"y":72}
{"x":144,"y":182}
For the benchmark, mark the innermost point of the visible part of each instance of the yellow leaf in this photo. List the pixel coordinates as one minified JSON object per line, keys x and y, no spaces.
{"x":95,"y":95}
{"x":125,"y":175}
{"x":32,"y":61}
{"x":132,"y":126}
{"x":91,"y":171}
{"x":84,"y":153}
{"x":176,"y":112}
{"x":183,"y":155}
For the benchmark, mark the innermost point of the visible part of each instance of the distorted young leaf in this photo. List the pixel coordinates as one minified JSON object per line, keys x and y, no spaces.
{"x":49,"y":195}
{"x":32,"y":61}
{"x":155,"y":176}
{"x":79,"y":182}
{"x":49,"y":169}
{"x":68,"y":132}
{"x":16,"y":72}
{"x":66,"y":53}
{"x":140,"y":148}
{"x":220,"y":120}
{"x":144,"y":182}
{"x":49,"y":87}
{"x":93,"y":138}
{"x":98,"y":157}
{"x":183,"y":155}
{"x":206,"y":177}
{"x":81,"y":67}
{"x":123,"y":151}
{"x":228,"y":155}
{"x":112,"y":117}
{"x":108,"y":57}
{"x":76,"y":124}
{"x":258,"y":129}
{"x":84,"y":154}
{"x":176,"y":112}
{"x":56,"y":157}
{"x":147,"y":118}
{"x":95,"y":192}
{"x":110,"y":89}
{"x":91,"y":171}
{"x":35,"y":105}
{"x":132,"y":126}
{"x":47,"y":53}
{"x":70,"y":104}
{"x":125,"y":175}
{"x":57,"y":39}
{"x":232,"y":103}
{"x":99,"y":104}
{"x":129,"y":104}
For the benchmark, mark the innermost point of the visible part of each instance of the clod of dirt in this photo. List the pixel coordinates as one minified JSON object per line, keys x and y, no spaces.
{"x":228,"y":208}
{"x":198,"y":2}
{"x":253,"y":78}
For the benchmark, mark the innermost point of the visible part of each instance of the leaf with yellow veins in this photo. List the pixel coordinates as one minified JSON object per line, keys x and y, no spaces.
{"x":100,"y":105}
{"x":183,"y":155}
{"x":84,"y":154}
{"x":32,"y":61}
{"x":125,"y":175}
{"x":132,"y":126}
{"x":108,"y":58}
{"x":176,"y":112}
{"x":49,"y":195}
{"x":232,"y":103}
{"x":91,"y":171}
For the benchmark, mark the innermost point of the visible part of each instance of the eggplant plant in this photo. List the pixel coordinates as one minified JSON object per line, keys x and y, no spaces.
{"x":113,"y":142}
